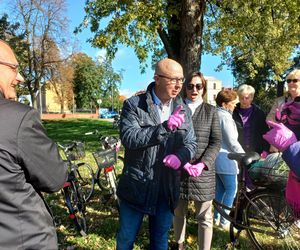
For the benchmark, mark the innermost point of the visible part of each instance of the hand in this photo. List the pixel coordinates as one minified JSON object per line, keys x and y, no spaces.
{"x":176,"y":119}
{"x":279,"y":136}
{"x":194,"y":170}
{"x":172,"y":161}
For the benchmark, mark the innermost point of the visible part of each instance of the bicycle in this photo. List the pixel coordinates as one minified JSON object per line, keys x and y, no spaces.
{"x":106,"y":159}
{"x":74,"y":190}
{"x":116,"y":122}
{"x":263,"y":212}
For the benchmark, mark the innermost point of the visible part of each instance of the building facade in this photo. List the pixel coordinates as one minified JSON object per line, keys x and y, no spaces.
{"x":214,"y":86}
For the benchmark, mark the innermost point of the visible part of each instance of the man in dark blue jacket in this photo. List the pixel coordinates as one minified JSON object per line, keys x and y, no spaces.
{"x":29,"y":164}
{"x":157,"y":133}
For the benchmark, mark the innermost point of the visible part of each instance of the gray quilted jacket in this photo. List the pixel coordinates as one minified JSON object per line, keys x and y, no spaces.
{"x":208,"y":134}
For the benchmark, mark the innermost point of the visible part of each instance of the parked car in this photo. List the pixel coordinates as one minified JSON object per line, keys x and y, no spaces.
{"x":109,"y":114}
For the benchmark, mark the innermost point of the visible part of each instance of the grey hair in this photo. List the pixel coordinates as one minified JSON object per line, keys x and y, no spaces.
{"x":245,"y":88}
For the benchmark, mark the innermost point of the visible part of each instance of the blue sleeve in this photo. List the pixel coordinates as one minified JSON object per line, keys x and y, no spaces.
{"x":292,"y":157}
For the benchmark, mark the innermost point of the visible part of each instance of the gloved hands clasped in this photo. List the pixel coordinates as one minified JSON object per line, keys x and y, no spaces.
{"x":194,"y":170}
{"x":280,"y":136}
{"x":176,"y":119}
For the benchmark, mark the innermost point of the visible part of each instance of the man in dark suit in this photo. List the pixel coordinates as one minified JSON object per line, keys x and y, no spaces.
{"x":29,"y":164}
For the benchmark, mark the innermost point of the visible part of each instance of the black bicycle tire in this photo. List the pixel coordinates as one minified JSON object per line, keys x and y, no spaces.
{"x":85,"y":177}
{"x":76,"y":207}
{"x":102,"y":181}
{"x":276,"y":210}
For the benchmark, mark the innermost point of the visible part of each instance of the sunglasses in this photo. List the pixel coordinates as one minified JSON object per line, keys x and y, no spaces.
{"x":191,"y":86}
{"x":292,"y":80}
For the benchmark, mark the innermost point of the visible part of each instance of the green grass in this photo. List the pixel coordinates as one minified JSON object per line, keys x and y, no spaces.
{"x":103,"y":220}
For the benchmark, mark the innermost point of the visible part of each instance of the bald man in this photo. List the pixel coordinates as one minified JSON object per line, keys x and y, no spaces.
{"x":29,"y":164}
{"x":157,"y":133}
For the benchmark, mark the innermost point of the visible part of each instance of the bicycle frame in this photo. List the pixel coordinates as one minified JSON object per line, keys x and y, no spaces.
{"x":259,"y":211}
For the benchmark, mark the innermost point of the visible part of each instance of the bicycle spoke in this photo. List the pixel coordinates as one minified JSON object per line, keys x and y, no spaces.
{"x":270,"y":220}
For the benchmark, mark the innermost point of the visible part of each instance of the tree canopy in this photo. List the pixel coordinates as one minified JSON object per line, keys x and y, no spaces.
{"x":256,"y":39}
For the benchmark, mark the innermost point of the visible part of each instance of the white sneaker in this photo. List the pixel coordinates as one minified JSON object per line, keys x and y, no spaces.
{"x":297,"y":223}
{"x":216,"y":222}
{"x":225,"y":227}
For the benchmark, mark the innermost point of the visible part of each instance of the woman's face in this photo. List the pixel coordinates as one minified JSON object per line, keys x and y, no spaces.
{"x":245,"y":100}
{"x":293,"y":82}
{"x":230,"y":105}
{"x":194,"y":89}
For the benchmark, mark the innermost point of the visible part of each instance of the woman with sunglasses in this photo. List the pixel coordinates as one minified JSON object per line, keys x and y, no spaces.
{"x":198,"y":178}
{"x":285,"y":136}
{"x":293,"y":82}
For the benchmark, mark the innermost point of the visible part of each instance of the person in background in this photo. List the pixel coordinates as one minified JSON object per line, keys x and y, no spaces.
{"x":157,"y":133}
{"x":198,"y":182}
{"x":29,"y":164}
{"x":250,"y":121}
{"x":285,"y":136}
{"x":293,"y":84}
{"x":226,"y":169}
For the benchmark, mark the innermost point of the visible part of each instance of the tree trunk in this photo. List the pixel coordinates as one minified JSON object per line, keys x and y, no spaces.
{"x":191,"y":30}
{"x":280,"y":88}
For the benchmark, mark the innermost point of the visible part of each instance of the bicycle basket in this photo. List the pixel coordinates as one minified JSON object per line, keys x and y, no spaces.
{"x":105,"y":158}
{"x":77,"y":152}
{"x":273,"y":171}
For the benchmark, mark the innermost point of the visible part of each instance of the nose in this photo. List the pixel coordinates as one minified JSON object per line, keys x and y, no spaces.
{"x":20,"y":78}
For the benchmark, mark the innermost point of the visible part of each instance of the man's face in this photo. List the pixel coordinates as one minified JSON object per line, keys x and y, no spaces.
{"x":169,"y":82}
{"x":245,"y":100}
{"x":9,"y":75}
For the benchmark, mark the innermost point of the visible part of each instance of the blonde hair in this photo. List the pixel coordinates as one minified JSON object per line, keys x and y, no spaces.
{"x":293,"y":74}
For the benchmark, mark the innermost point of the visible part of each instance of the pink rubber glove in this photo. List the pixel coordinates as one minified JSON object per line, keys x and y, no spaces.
{"x":279,"y":136}
{"x":264,"y":154}
{"x":176,"y":119}
{"x":172,"y":161}
{"x":194,"y":170}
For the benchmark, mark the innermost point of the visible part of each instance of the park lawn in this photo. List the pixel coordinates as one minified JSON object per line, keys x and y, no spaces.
{"x":102,"y":219}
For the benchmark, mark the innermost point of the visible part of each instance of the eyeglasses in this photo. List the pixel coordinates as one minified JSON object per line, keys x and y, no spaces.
{"x":173,"y":80}
{"x":292,"y":80}
{"x":191,"y":86}
{"x":15,"y":67}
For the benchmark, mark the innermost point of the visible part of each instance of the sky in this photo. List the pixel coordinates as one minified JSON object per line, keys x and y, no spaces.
{"x":133,"y":80}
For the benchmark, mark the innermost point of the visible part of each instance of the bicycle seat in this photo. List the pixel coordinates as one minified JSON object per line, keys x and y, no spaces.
{"x":244,"y":158}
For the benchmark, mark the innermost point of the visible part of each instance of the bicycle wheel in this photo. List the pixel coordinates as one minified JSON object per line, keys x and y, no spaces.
{"x":85,"y":177}
{"x":103,"y":179}
{"x":271,"y":222}
{"x":76,"y":206}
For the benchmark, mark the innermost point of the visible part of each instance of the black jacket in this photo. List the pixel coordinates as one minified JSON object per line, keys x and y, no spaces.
{"x":29,"y":164}
{"x":147,"y":141}
{"x":258,"y":127}
{"x":208,"y":133}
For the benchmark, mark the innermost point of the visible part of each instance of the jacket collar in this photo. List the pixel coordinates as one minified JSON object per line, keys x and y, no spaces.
{"x":151,"y":105}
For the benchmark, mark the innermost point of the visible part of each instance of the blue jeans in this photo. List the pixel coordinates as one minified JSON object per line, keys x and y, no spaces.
{"x":226,"y":187}
{"x":130,"y":221}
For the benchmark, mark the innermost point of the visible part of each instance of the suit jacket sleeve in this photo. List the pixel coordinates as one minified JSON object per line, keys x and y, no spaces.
{"x":39,"y":155}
